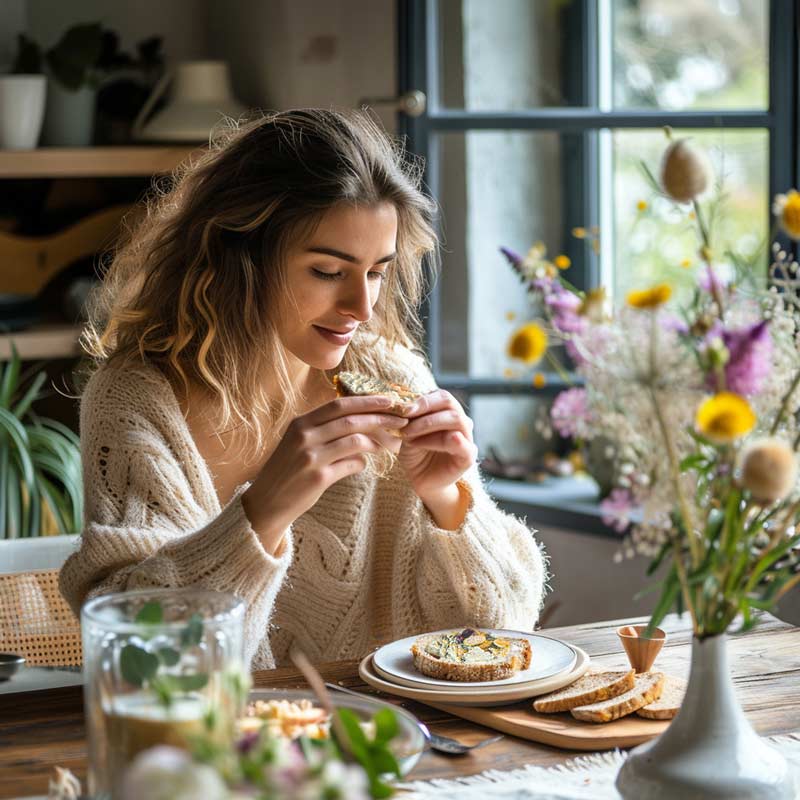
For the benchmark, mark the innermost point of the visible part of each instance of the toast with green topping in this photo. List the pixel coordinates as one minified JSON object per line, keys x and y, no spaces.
{"x":354,"y":384}
{"x":470,"y":655}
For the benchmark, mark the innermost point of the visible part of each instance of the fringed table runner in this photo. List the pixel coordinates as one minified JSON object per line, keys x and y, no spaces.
{"x":584,"y":778}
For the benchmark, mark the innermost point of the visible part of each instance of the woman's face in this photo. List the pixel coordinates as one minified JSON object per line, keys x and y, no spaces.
{"x":334,"y":278}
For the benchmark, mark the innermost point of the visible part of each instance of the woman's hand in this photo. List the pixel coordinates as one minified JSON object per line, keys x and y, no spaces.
{"x":317,"y":450}
{"x":437,"y":450}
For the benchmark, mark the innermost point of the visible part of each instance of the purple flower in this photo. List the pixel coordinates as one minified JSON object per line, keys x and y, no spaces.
{"x":749,"y":358}
{"x":617,"y":509}
{"x":570,"y":412}
{"x":673,"y":324}
{"x":513,"y":257}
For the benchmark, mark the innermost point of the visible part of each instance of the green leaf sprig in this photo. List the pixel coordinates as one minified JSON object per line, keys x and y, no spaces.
{"x":143,"y":668}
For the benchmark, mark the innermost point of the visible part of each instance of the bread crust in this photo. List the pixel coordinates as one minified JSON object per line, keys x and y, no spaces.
{"x":647,"y":689}
{"x":590,"y":688}
{"x":519,"y":658}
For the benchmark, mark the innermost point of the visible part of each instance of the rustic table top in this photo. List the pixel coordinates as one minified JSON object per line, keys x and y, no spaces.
{"x":39,"y":730}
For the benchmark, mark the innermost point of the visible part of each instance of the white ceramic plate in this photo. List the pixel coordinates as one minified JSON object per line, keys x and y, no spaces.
{"x":475,"y":696}
{"x":550,"y":657}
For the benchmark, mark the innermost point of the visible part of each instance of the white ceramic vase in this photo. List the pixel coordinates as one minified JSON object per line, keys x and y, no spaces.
{"x":22,"y":103}
{"x":710,"y":751}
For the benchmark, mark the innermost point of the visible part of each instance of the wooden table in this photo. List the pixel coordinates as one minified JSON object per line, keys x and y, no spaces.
{"x":43,"y":729}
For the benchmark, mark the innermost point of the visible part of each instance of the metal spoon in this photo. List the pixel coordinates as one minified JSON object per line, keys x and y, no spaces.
{"x":443,"y":744}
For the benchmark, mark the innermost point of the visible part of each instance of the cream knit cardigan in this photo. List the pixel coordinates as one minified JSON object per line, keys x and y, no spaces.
{"x":365,"y":565}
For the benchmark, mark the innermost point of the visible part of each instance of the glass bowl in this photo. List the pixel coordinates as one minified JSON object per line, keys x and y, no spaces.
{"x":406,"y":747}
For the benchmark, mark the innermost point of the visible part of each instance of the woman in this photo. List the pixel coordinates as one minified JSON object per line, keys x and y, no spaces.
{"x":215,"y":451}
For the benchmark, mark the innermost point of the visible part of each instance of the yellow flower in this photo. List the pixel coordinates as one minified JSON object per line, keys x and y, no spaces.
{"x":528,"y":343}
{"x":650,"y":298}
{"x":786,"y":207}
{"x":686,"y":263}
{"x":539,"y":380}
{"x":562,"y":262}
{"x":579,"y":233}
{"x":641,"y":206}
{"x":509,"y":373}
{"x":725,"y":417}
{"x":511,"y":315}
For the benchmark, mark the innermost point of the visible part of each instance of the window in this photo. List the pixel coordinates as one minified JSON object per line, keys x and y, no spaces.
{"x":538,"y":114}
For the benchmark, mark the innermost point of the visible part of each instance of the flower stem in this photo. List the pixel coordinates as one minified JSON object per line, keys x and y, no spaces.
{"x":706,"y":240}
{"x":785,"y":405}
{"x":687,"y":599}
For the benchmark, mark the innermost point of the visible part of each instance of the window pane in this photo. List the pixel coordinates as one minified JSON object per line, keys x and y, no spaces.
{"x":692,"y":54}
{"x":499,"y":189}
{"x":660,"y":242}
{"x":505,"y":427}
{"x":509,"y":55}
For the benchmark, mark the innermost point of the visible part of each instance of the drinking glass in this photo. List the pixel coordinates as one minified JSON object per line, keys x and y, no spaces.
{"x":161,"y":666}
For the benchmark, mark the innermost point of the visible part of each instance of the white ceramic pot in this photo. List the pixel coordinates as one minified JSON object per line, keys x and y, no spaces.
{"x":22,"y":103}
{"x":710,"y":751}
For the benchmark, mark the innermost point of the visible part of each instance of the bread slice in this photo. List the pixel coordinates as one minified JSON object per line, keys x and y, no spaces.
{"x":668,"y":705}
{"x":354,"y":384}
{"x":647,"y":689}
{"x":470,"y":655}
{"x":590,"y":688}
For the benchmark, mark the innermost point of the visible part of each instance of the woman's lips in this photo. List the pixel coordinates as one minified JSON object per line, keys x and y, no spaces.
{"x":332,"y":336}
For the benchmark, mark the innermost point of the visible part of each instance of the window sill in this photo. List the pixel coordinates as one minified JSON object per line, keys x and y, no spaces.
{"x":571,"y":502}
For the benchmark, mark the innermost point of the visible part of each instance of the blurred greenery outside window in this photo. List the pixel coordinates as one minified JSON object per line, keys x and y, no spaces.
{"x":539,"y":114}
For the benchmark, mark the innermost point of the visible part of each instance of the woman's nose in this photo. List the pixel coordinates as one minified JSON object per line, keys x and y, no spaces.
{"x":357,"y":302}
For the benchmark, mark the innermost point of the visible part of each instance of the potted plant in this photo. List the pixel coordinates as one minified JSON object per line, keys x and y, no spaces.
{"x":40,"y":466}
{"x":70,"y":66}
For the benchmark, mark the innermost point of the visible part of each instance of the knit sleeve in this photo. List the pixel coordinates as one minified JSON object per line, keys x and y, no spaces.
{"x":144,"y":526}
{"x":491,"y":572}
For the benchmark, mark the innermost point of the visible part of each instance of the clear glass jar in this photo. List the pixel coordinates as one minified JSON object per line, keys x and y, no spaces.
{"x":161,"y":666}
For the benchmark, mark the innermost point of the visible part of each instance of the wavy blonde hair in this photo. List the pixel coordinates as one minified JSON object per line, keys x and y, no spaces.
{"x":193,"y":286}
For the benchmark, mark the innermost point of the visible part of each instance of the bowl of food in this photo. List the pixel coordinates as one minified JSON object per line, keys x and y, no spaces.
{"x":9,"y":664}
{"x":295,"y":713}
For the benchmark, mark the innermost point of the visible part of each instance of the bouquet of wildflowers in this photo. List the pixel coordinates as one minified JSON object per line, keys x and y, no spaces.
{"x":701,"y":404}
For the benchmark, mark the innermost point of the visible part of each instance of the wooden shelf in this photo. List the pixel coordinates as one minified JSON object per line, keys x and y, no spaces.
{"x":43,"y":341}
{"x":91,"y":162}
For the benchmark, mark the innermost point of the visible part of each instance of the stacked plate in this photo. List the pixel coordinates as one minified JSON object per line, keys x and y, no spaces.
{"x":554,"y":664}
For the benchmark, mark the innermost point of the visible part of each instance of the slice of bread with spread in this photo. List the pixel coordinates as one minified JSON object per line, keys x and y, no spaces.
{"x":590,"y":688}
{"x":354,"y":384}
{"x":668,"y":705}
{"x":648,"y":687}
{"x":470,"y":655}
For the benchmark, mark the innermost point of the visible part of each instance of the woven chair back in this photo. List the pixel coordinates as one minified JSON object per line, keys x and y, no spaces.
{"x":36,"y":622}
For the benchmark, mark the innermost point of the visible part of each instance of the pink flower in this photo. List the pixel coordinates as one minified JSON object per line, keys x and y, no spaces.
{"x":570,"y":412}
{"x":617,"y":509}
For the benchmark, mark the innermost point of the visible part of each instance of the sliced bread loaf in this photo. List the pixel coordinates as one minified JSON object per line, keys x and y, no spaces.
{"x":647,"y":689}
{"x":590,"y":688}
{"x":470,"y":655}
{"x":668,"y":705}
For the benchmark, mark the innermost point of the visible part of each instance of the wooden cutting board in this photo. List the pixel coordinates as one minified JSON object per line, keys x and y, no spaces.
{"x":559,"y":730}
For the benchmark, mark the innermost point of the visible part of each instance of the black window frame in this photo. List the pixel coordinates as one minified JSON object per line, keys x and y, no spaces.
{"x":418,"y":69}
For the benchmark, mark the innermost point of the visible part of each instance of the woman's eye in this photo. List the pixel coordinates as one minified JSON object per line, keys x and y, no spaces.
{"x":377,"y":276}
{"x":326,"y":276}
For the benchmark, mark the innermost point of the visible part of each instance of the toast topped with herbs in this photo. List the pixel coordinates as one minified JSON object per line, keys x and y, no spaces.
{"x":354,"y":384}
{"x":470,"y":655}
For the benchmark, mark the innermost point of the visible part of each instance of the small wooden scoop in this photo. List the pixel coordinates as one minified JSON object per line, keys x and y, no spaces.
{"x":641,"y":650}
